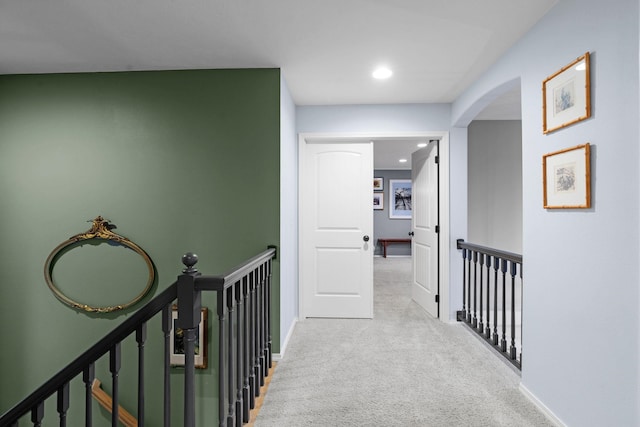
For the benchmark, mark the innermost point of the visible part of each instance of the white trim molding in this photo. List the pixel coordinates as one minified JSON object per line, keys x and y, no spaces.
{"x":542,"y":407}
{"x":283,"y":346}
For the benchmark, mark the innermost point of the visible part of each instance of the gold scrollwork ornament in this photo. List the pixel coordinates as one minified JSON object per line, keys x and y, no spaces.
{"x":100,"y":229}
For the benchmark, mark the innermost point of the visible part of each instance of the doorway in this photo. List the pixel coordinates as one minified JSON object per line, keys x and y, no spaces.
{"x":308,"y":284}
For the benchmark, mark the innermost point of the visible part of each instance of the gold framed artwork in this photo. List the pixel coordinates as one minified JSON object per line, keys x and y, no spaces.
{"x":176,"y":341}
{"x":566,"y":178}
{"x":566,"y":95}
{"x":100,"y":232}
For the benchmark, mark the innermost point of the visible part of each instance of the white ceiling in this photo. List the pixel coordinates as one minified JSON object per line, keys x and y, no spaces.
{"x":326,"y":49}
{"x":387,"y":153}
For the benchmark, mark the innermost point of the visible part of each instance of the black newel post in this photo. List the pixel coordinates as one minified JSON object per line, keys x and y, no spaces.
{"x":189,"y":305}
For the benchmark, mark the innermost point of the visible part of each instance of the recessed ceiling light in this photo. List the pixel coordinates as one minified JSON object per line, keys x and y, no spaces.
{"x":382,"y":73}
{"x":422,"y":145}
{"x":403,"y":160}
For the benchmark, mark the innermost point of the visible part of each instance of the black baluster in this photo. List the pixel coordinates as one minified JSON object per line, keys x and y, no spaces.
{"x":231,"y":336}
{"x":481,"y":323}
{"x":268,"y":315}
{"x":258,"y":338}
{"x":222,"y":342}
{"x":37,"y":414}
{"x":246,"y":367}
{"x":263,"y":325}
{"x":521,"y":310}
{"x":115,"y":362}
{"x":239,"y":349}
{"x":464,"y":282}
{"x":474,"y":322}
{"x":487,"y":332}
{"x":63,"y":403}
{"x":253,"y":379}
{"x":141,"y":337}
{"x":88,"y":375}
{"x":469,"y":286}
{"x":166,"y":330}
{"x":513,"y":349}
{"x":496,"y":266}
{"x":503,"y":343}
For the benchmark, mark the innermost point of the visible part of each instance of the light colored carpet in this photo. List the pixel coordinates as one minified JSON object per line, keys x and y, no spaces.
{"x":403,"y":368}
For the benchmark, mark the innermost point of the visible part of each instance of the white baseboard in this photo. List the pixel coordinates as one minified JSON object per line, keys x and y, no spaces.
{"x":546,"y":411}
{"x":283,"y":346}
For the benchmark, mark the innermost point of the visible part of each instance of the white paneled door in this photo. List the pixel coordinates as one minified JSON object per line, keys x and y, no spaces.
{"x":336,"y":227}
{"x":424,"y":177}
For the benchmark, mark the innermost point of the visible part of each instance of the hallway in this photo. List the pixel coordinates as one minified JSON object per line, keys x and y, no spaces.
{"x":403,"y":368}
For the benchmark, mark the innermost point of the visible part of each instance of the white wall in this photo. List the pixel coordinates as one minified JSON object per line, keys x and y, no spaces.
{"x":495,"y":184}
{"x":457,"y":213}
{"x":288,"y":215}
{"x":373,"y":118}
{"x":581,"y":299}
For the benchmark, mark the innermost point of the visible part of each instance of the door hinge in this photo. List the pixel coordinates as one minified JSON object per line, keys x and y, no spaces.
{"x":437,"y":298}
{"x":437,"y":160}
{"x":437,"y":228}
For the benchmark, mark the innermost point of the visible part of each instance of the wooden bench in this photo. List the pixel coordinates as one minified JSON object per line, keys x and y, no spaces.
{"x":385,"y":242}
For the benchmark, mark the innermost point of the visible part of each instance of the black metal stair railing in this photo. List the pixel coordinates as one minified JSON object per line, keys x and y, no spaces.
{"x":492,"y":298}
{"x":244,"y":348}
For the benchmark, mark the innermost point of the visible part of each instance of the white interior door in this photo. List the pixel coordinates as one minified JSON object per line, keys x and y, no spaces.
{"x":424,"y":177}
{"x":336,"y":225}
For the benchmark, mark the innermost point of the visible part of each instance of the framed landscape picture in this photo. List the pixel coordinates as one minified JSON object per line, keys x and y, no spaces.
{"x":566,"y":176}
{"x":400,"y":206}
{"x":566,"y":95}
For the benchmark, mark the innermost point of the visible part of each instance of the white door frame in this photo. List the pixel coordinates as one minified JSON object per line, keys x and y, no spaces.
{"x":444,"y":236}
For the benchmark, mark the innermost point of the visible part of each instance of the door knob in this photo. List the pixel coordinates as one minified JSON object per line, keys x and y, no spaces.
{"x":365,"y":238}
{"x":411,"y":233}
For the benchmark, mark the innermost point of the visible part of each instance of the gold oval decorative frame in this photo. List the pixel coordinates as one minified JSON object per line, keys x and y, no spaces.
{"x":101,"y":229}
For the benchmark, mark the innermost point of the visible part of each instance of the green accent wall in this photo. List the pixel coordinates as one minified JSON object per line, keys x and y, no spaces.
{"x":179,"y":160}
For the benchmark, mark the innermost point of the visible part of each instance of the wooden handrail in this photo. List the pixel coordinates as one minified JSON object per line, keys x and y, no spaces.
{"x":107,"y":403}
